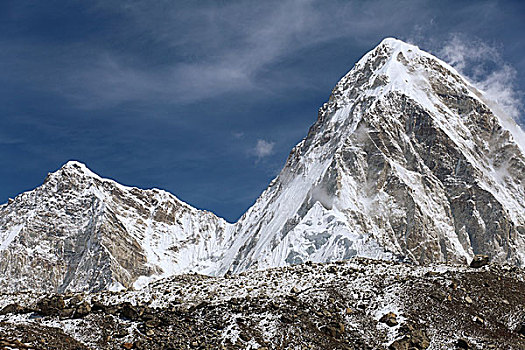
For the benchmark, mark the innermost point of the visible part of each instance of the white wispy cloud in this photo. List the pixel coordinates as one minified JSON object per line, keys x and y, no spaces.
{"x":205,"y":50}
{"x":483,"y":64}
{"x":238,"y":134}
{"x":8,"y":140}
{"x":263,"y":148}
{"x":184,"y":52}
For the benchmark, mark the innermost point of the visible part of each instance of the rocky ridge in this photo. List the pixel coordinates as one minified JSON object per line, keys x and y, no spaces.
{"x":80,"y":232}
{"x":356,"y":304}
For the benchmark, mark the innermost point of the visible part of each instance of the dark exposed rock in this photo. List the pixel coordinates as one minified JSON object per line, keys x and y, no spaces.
{"x":480,"y":261}
{"x":76,"y":299}
{"x":244,"y":336}
{"x":67,"y":312}
{"x":97,"y":306}
{"x":478,"y":319}
{"x":463,"y":344}
{"x":129,"y":311}
{"x":521,"y":329}
{"x":334,"y":330}
{"x":27,"y":336}
{"x":415,"y":339}
{"x":82,"y":309}
{"x":390,"y":319}
{"x":51,"y":306}
{"x":286,"y":319}
{"x":14,"y":309}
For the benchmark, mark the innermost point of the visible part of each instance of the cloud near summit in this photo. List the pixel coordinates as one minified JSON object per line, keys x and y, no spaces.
{"x":263,"y":148}
{"x":482,"y":63}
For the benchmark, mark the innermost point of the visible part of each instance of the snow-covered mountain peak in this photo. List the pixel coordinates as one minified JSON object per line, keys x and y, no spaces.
{"x":78,"y":231}
{"x":79,"y":166}
{"x":407,"y":160}
{"x":75,"y":168}
{"x":402,"y":161}
{"x":394,"y":65}
{"x":390,"y":48}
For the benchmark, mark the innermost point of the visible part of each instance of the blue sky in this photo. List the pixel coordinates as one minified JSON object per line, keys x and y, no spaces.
{"x":205,"y":99}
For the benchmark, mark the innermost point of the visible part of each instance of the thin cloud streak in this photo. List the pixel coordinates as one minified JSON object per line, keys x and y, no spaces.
{"x":227,"y":51}
{"x":483,"y":65}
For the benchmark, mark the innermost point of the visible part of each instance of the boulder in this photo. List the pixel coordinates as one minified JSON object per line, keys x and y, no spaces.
{"x":415,"y":339}
{"x":463,"y":344}
{"x":479,"y":261}
{"x":82,"y":309}
{"x":51,"y":305}
{"x":390,"y":319}
{"x":13,"y":309}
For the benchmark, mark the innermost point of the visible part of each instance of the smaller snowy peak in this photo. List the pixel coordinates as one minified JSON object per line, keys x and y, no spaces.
{"x":77,"y":167}
{"x":98,"y":234}
{"x":75,"y":164}
{"x":79,"y":173}
{"x":73,"y":172}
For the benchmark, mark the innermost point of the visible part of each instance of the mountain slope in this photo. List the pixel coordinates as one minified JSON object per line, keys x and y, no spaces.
{"x":81,"y":232}
{"x":406,"y":159}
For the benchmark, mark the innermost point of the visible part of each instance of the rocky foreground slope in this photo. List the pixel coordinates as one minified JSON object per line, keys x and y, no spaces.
{"x":356,"y":304}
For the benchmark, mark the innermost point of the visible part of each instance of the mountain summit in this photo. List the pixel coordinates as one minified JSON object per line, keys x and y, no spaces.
{"x":80,"y":232}
{"x":406,"y":161}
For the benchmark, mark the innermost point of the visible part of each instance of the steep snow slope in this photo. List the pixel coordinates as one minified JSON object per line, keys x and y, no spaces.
{"x":81,"y":232}
{"x":404,"y":160}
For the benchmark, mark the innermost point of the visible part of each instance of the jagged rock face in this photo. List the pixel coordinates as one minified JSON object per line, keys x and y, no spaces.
{"x":406,"y":160}
{"x":79,"y":232}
